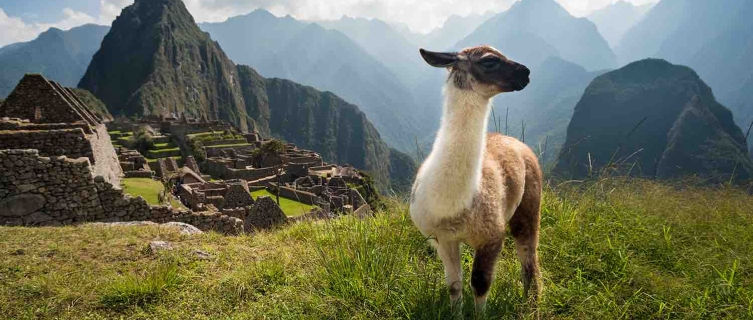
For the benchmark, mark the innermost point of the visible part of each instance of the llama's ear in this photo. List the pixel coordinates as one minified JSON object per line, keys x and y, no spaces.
{"x":439,"y":59}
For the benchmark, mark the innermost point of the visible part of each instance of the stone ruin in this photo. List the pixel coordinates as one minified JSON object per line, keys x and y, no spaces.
{"x":59,"y":167}
{"x":233,"y":198}
{"x":42,"y":115}
{"x":53,"y":191}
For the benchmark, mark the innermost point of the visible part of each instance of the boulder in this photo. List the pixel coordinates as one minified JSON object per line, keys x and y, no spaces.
{"x":184,"y":228}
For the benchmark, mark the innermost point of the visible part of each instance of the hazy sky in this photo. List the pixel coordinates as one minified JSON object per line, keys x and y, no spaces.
{"x":23,"y":20}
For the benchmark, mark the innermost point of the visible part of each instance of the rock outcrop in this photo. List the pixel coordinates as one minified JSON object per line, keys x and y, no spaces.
{"x":657,"y":120}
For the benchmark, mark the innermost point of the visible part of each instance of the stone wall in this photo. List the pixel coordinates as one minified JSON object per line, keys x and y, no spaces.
{"x":297,"y":195}
{"x":106,"y":163}
{"x":49,"y":191}
{"x":15,"y":124}
{"x":222,"y":142}
{"x":191,"y":164}
{"x":72,"y":143}
{"x":216,"y":151}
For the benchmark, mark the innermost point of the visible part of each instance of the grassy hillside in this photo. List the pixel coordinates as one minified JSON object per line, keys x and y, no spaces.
{"x":614,"y":249}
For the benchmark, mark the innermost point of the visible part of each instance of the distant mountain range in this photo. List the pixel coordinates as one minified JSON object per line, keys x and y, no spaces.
{"x":654,"y":119}
{"x":156,"y":60}
{"x":454,"y":29}
{"x":614,"y":20}
{"x":711,"y":36}
{"x":58,"y":55}
{"x":540,"y":114}
{"x":563,"y":52}
{"x":382,"y":42}
{"x":533,"y":30}
{"x":325,"y":59}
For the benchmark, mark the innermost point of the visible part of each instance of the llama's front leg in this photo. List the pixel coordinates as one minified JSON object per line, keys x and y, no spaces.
{"x":484,"y":263}
{"x":449,"y":252}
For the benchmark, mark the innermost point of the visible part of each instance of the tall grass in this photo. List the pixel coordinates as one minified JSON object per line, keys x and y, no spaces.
{"x":140,"y":290}
{"x":610,"y":249}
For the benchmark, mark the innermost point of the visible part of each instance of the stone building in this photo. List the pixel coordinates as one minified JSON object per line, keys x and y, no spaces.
{"x":42,"y":115}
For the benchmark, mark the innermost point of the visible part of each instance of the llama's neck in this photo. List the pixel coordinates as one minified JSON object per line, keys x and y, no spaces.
{"x":453,"y":169}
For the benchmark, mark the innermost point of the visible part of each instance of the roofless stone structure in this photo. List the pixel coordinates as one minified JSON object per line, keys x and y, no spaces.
{"x":42,"y":101}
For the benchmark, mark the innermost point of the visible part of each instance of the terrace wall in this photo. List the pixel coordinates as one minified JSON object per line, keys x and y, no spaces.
{"x":49,"y":191}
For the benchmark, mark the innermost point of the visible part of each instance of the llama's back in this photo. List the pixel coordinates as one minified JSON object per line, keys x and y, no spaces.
{"x":516,"y":162}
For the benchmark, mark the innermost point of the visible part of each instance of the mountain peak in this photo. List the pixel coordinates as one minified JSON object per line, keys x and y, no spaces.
{"x":676,"y":126}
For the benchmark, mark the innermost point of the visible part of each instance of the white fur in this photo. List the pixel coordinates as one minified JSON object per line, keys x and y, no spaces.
{"x":450,"y":177}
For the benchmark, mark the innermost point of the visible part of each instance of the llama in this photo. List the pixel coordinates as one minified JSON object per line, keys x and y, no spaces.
{"x":473,"y":185}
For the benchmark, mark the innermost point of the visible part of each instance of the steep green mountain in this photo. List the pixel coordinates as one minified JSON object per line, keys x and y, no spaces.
{"x":614,"y":20}
{"x":532,"y":30}
{"x":655,"y":119}
{"x":382,"y":42}
{"x":545,"y":107}
{"x":95,"y":105}
{"x":327,"y":60}
{"x":156,"y":60}
{"x":58,"y":55}
{"x":714,"y":37}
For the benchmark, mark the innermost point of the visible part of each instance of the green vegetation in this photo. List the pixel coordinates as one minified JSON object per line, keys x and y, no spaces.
{"x":149,"y":189}
{"x":609,"y":250}
{"x":140,"y":290}
{"x":163,"y":153}
{"x":213,"y":136}
{"x":161,"y":146}
{"x":94,"y":104}
{"x":230,"y":145}
{"x":153,"y":160}
{"x":290,"y":207}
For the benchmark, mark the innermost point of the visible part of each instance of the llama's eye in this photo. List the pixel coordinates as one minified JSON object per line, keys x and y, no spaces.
{"x":490,"y":63}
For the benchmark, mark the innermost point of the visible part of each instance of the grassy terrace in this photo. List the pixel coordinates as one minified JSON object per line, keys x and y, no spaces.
{"x":230,"y":145}
{"x":291,"y":208}
{"x":148,"y":189}
{"x":165,"y":145}
{"x":612,"y":250}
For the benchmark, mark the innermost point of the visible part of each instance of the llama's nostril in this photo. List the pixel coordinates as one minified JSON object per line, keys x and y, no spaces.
{"x":523,"y":71}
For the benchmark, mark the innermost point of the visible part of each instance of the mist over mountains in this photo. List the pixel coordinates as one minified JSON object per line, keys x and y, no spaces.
{"x":616,"y":19}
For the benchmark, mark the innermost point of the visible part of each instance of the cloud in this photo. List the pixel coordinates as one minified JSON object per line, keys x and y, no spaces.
{"x":110,"y":9}
{"x":16,"y":30}
{"x":419,"y":15}
{"x":581,"y":8}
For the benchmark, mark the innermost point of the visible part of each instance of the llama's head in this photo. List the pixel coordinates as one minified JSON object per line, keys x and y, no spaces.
{"x":482,"y":69}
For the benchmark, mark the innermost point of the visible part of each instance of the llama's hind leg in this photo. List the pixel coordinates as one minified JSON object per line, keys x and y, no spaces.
{"x":524,"y":227}
{"x":484,"y":264}
{"x":449,"y":253}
